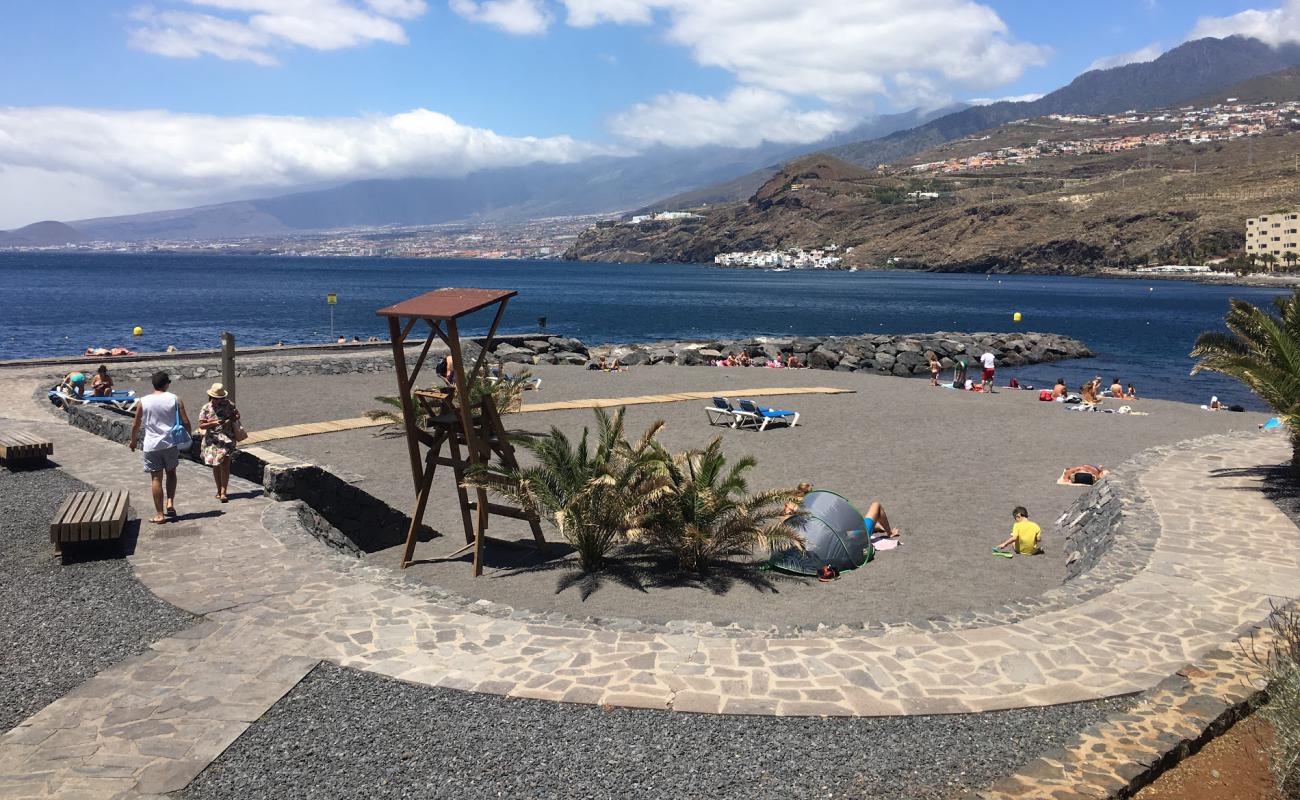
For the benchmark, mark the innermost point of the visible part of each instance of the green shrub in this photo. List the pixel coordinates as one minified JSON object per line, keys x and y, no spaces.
{"x":594,"y":495}
{"x":703,"y":512}
{"x":1282,"y":668}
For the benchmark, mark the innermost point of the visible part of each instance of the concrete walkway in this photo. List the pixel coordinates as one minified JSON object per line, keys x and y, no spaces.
{"x":273,"y":608}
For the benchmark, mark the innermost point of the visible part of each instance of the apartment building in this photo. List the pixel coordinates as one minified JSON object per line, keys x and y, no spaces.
{"x":1276,"y":234}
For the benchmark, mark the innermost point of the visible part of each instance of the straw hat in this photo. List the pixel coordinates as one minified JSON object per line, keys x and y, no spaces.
{"x":218,"y":391}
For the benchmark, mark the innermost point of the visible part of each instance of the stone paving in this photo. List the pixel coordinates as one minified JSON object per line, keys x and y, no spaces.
{"x":276,"y":605}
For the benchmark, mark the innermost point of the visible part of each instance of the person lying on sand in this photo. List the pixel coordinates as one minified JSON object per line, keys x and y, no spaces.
{"x":1024,"y":534}
{"x":1085,"y":475}
{"x":875,"y":520}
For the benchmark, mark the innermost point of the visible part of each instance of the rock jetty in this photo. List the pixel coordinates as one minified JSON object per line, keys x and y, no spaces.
{"x":891,"y":354}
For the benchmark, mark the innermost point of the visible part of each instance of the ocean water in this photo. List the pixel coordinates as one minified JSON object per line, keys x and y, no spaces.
{"x":60,"y":303}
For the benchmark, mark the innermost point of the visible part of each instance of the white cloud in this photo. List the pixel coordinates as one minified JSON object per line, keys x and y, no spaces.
{"x":251,"y":30}
{"x":1011,"y":98}
{"x":833,"y":50}
{"x":1139,"y":56}
{"x":1273,"y":26}
{"x":746,"y":117}
{"x":520,"y":17}
{"x":161,"y":155}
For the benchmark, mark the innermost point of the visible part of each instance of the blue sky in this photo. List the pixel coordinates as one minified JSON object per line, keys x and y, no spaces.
{"x":114,"y":107}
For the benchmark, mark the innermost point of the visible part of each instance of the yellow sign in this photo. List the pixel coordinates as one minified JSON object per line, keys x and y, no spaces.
{"x":332,"y":298}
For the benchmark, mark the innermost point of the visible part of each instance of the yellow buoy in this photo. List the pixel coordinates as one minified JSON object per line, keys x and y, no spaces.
{"x":1015,"y":317}
{"x":137,"y":331}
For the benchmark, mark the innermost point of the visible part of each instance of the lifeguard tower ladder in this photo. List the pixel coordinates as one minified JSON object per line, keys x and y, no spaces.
{"x":470,"y":429}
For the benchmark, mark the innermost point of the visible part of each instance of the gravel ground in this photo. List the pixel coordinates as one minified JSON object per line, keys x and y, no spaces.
{"x":344,"y":734}
{"x":62,"y":623}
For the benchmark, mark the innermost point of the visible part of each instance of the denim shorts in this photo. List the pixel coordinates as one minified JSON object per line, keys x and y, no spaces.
{"x":159,"y":460}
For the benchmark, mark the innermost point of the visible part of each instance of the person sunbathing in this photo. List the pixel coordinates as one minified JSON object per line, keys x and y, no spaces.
{"x":1117,"y":389}
{"x":1085,"y":475}
{"x":742,"y":360}
{"x":73,"y":384}
{"x":1131,"y":394}
{"x":1059,"y":391}
{"x":793,"y":362}
{"x":1089,"y":392}
{"x":800,"y":492}
{"x":102,"y":384}
{"x":875,"y":520}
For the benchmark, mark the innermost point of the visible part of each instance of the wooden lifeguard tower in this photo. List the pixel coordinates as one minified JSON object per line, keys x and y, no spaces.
{"x":470,"y":429}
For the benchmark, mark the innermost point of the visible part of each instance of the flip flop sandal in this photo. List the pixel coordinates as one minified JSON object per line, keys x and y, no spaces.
{"x":159,"y":520}
{"x":1003,"y":553}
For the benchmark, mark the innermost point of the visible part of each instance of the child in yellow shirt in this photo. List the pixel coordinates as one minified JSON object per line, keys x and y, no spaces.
{"x":1024,"y":534}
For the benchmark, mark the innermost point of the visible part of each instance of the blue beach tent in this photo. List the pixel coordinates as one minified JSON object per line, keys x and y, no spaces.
{"x":833,"y":533}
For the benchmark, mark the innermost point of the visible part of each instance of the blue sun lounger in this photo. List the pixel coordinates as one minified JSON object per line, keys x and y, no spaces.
{"x":120,"y":400}
{"x":768,"y":415}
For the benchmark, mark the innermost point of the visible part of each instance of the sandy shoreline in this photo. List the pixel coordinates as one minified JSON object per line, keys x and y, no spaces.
{"x":948,"y":466}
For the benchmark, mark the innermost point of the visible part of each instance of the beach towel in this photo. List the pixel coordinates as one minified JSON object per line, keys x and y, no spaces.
{"x":1273,"y":424}
{"x":884,"y":543}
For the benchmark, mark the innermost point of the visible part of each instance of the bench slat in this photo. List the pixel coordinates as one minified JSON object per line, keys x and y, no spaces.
{"x":57,"y":523}
{"x":98,"y":522}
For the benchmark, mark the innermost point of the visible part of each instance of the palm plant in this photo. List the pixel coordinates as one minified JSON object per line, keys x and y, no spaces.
{"x":596,"y":494}
{"x":703,"y":512}
{"x":506,"y":393}
{"x":1262,"y":351}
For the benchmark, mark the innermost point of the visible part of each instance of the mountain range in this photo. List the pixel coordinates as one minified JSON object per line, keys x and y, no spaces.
{"x":687,"y":178}
{"x":1036,"y":195}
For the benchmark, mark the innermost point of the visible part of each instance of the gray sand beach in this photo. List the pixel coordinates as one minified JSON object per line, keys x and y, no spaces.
{"x":948,"y":467}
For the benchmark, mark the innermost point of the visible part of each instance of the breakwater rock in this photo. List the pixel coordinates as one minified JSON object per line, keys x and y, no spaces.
{"x":892,"y":354}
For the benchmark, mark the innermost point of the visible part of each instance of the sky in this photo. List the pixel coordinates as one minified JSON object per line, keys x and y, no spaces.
{"x":111,"y":107}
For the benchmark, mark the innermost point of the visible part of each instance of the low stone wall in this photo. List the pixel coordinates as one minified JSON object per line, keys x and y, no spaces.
{"x":891,"y":354}
{"x":1089,"y":527}
{"x":358,"y":522}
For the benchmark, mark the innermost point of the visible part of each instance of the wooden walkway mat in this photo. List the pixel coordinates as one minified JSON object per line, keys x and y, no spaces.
{"x":334,"y":426}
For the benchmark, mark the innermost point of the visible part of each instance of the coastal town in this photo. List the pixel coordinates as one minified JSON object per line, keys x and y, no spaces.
{"x":795,"y":258}
{"x":1218,"y":123}
{"x":536,"y":239}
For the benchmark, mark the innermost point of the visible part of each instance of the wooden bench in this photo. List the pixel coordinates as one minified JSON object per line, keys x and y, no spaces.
{"x":19,"y":447}
{"x":89,"y":516}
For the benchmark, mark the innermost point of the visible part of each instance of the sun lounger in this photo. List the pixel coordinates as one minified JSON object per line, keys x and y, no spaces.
{"x":766,"y":416}
{"x":722,"y":413}
{"x":122,"y":400}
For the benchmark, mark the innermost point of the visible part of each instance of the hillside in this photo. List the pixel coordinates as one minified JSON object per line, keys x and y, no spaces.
{"x":1191,"y":71}
{"x":42,"y":234}
{"x":1174,"y":203}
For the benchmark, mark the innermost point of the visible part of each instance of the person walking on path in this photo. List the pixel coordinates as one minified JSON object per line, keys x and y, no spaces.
{"x":159,"y":414}
{"x":989,"y":362}
{"x":219,"y":424}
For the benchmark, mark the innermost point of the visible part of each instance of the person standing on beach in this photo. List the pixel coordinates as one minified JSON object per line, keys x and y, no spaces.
{"x":935,"y":367}
{"x":158,"y":414}
{"x":989,"y":362}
